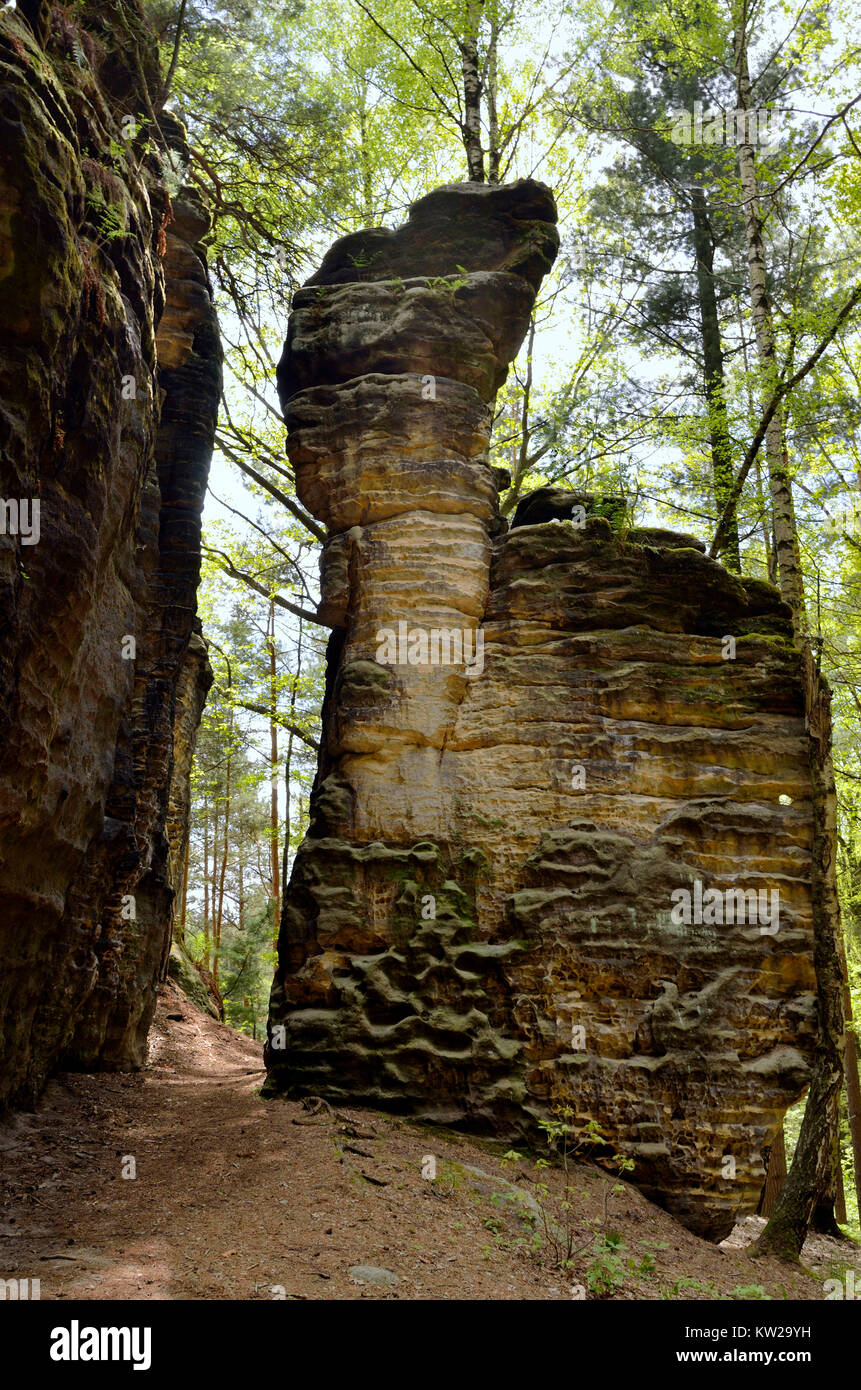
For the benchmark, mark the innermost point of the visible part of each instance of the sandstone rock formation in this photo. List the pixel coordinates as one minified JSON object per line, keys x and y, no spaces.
{"x":481,"y":925}
{"x":109,"y":385}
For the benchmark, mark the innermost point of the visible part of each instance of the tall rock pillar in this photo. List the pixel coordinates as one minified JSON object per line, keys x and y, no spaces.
{"x":559,"y":851}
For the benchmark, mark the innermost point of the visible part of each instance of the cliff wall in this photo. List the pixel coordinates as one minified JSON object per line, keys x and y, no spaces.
{"x":110,"y":371}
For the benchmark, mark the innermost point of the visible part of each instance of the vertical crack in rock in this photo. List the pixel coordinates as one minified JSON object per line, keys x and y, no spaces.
{"x":485,"y":920}
{"x":109,"y":385}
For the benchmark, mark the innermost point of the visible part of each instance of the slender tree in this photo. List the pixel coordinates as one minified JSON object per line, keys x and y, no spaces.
{"x":811,"y":1175}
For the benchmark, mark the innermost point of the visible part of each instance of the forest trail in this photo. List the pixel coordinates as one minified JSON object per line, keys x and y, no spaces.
{"x":236,"y":1198}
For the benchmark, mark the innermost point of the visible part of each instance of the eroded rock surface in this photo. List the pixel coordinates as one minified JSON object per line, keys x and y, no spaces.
{"x":109,"y":384}
{"x":480,"y":926}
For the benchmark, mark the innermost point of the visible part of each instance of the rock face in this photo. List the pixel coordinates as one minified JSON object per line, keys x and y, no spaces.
{"x":109,"y":385}
{"x":485,"y":920}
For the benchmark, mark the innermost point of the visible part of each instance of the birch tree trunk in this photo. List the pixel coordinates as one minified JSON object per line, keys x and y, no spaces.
{"x":783,"y":509}
{"x":210,"y":920}
{"x":273,"y":768}
{"x":853,"y":1085}
{"x":471,"y":126}
{"x":713,"y":373}
{"x":287,"y":769}
{"x":810,"y":1179}
{"x":219,"y":914}
{"x":184,"y":908}
{"x":493,"y":151}
{"x":770,"y":558}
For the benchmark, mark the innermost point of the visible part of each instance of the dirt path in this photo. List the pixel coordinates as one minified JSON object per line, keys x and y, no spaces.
{"x":235,"y":1198}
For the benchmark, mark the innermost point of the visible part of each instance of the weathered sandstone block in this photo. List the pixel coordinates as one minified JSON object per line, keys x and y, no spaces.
{"x":486,"y":920}
{"x":467,"y":329}
{"x":462,"y":227}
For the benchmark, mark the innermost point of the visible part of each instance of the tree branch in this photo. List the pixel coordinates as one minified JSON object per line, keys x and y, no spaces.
{"x":165,"y":91}
{"x":782,"y":391}
{"x":234,"y":573}
{"x":292,"y":507}
{"x":280,"y":721}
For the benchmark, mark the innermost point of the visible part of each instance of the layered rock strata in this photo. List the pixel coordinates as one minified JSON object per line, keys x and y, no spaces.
{"x":109,"y":385}
{"x":485,"y":923}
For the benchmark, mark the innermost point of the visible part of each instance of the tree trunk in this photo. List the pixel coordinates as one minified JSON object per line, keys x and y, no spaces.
{"x":809,"y":1178}
{"x":770,"y":558}
{"x":364,"y":155}
{"x":209,"y":886}
{"x":493,"y":151}
{"x":831,"y":1206}
{"x":216,"y":821}
{"x":840,"y":1204}
{"x":713,"y":375}
{"x":783,"y":508}
{"x":838,"y":1210}
{"x":174,"y":58}
{"x":287,"y":769}
{"x":216,"y":934}
{"x":776,"y":1175}
{"x":183,"y":910}
{"x":273,"y":769}
{"x":205,"y":862}
{"x":471,"y":125}
{"x":853,"y":1089}
{"x":767,"y":539}
{"x":521,"y":463}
